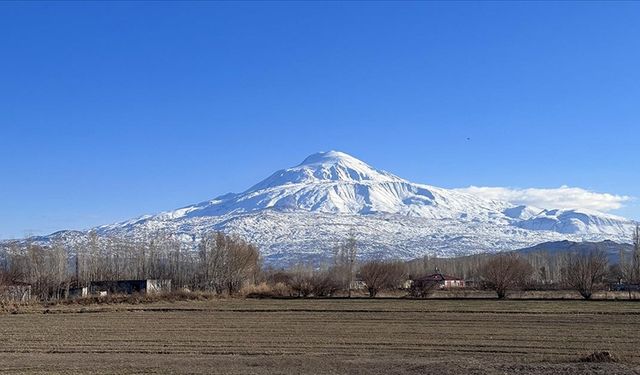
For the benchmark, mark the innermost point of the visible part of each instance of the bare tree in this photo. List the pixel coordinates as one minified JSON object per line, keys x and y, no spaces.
{"x":583,"y":272}
{"x":223,"y":263}
{"x":301,"y":280}
{"x":630,"y":268}
{"x":547,"y":266}
{"x":324,"y":283}
{"x":345,"y":260}
{"x":504,"y":272}
{"x":9,"y":274}
{"x":422,"y":287}
{"x":379,"y":275}
{"x":227,"y":263}
{"x":636,"y":245}
{"x":243,"y":264}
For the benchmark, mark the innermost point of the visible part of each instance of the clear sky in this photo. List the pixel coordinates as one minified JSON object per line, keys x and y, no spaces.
{"x":113,"y":110}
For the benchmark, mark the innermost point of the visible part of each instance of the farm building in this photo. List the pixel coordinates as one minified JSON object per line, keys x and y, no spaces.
{"x":16,"y":292}
{"x":621,"y":286}
{"x":444,"y":281}
{"x":78,"y":292}
{"x":358,"y":285}
{"x":147,"y":286}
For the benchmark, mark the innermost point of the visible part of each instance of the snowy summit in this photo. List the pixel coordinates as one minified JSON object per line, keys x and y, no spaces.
{"x":302,"y":212}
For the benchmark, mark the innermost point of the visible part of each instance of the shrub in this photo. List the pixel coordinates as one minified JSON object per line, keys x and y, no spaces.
{"x":136,"y":298}
{"x":264,"y":290}
{"x":422,"y":288}
{"x":261,"y":290}
{"x":324,"y":284}
{"x":379,"y":275}
{"x":599,"y":357}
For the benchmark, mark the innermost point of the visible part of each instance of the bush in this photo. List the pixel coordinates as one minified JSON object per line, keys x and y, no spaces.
{"x":304,"y":281}
{"x":264,"y":290}
{"x":301,"y":282}
{"x":8,"y":307}
{"x":256,"y":291}
{"x":281,"y":290}
{"x":422,"y":288}
{"x":379,"y":275}
{"x":136,"y":298}
{"x":324,"y":284}
{"x":599,"y":357}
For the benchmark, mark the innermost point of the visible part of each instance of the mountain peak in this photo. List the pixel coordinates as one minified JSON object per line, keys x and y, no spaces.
{"x":327,"y":167}
{"x":329,"y":157}
{"x":301,"y":212}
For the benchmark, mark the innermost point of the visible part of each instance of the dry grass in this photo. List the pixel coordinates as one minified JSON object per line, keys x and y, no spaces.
{"x":135,"y":299}
{"x":264,"y":290}
{"x":294,"y":336}
{"x":14,"y":307}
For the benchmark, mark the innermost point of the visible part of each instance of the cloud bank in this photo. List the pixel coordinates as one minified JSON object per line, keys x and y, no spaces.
{"x":564,"y":197}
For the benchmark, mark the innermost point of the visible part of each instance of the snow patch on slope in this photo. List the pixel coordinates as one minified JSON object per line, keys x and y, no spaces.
{"x":302,"y":212}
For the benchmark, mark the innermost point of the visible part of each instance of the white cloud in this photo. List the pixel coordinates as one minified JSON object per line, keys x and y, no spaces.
{"x":564,"y":197}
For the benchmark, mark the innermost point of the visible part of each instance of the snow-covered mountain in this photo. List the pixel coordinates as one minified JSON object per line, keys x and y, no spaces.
{"x":304,"y":211}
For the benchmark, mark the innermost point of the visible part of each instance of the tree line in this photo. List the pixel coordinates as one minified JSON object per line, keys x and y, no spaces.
{"x":226,"y":264}
{"x":221,"y":264}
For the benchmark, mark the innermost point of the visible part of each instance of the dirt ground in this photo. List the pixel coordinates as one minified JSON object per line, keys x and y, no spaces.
{"x":361,"y":336}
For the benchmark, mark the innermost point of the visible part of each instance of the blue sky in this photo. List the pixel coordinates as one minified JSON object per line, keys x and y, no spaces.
{"x":113,"y":110}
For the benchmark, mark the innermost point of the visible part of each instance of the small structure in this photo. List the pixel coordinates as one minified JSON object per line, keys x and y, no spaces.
{"x":621,"y":286}
{"x":17,"y":292}
{"x":78,"y":292}
{"x":443,"y":281}
{"x":147,"y":286}
{"x":358,"y":285}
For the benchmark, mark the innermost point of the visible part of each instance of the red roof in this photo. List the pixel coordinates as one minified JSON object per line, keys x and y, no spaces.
{"x":439,"y":277}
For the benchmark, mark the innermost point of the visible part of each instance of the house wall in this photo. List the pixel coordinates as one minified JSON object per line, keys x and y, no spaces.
{"x":454,"y":283}
{"x":78,"y":292}
{"x":158,"y":286}
{"x":130,"y":286}
{"x":18,"y":293}
{"x":118,"y":286}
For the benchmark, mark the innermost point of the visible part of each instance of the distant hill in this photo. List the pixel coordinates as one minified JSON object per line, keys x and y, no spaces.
{"x":556,"y":247}
{"x":611,"y":248}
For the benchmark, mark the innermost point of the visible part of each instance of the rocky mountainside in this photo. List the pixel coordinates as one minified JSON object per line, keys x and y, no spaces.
{"x":303,"y":212}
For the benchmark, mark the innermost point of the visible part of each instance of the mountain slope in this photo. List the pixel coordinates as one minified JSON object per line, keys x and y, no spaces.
{"x":334,"y":182}
{"x":612,"y":249}
{"x":304,"y":211}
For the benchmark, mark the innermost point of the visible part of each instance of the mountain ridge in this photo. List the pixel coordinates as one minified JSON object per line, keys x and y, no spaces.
{"x":302,"y":212}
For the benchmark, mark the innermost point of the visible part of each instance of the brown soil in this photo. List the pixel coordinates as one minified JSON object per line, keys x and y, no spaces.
{"x":236,"y":336}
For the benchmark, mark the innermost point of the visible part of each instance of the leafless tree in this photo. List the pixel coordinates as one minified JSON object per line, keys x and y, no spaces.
{"x":379,"y":275}
{"x":345,"y":261}
{"x":46,"y":270}
{"x":422,"y":287}
{"x":324,"y":283}
{"x":227,"y":263}
{"x":630,"y":266}
{"x":504,"y":272}
{"x":305,"y":281}
{"x":9,"y":275}
{"x":546,"y":264}
{"x":584,"y":271}
{"x":223,"y":263}
{"x":301,"y":280}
